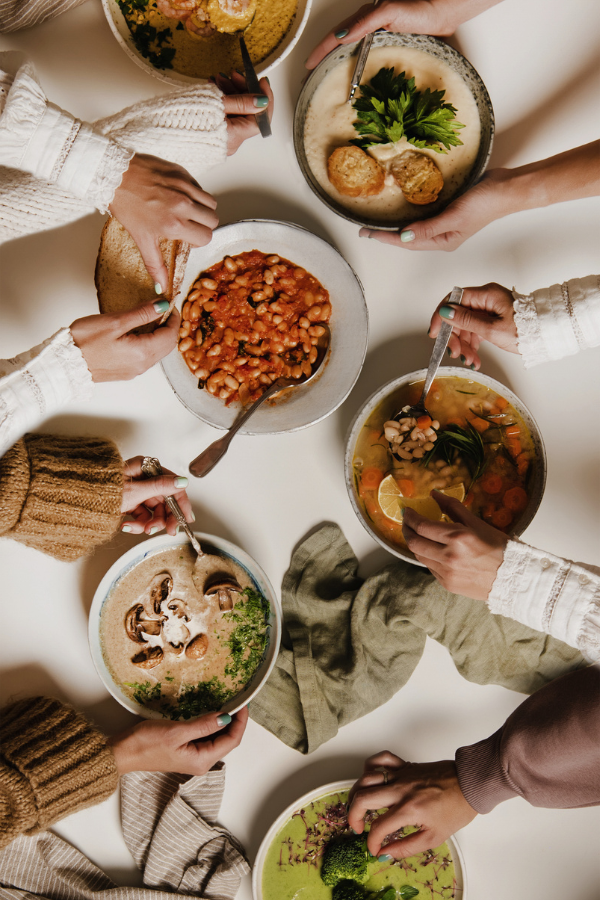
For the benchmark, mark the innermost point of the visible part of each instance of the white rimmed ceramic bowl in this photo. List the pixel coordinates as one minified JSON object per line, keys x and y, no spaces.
{"x":163,"y":542}
{"x":535,"y":487}
{"x":440,"y":50}
{"x":302,"y":406}
{"x":317,"y":794}
{"x":119,"y":28}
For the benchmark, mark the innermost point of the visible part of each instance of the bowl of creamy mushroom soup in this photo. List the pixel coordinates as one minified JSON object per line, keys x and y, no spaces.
{"x":173,"y":635}
{"x":417,"y":134}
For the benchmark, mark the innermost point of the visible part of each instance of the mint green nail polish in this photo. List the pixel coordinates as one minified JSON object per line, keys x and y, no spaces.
{"x":126,"y":528}
{"x":463,"y":359}
{"x":341,"y":33}
{"x":407,"y":236}
{"x":385,"y":857}
{"x":449,"y":351}
{"x":161,"y":306}
{"x":193,"y":517}
{"x":181,"y":481}
{"x":261,"y":101}
{"x":472,"y":366}
{"x":157,"y":288}
{"x":223,"y":719}
{"x":447,"y":312}
{"x":154,"y":529}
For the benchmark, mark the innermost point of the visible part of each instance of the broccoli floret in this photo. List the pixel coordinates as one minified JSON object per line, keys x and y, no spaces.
{"x":349,"y":890}
{"x":345,"y":859}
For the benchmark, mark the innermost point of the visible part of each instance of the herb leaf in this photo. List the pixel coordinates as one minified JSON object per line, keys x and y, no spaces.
{"x":455,"y":440}
{"x":390,"y":107}
{"x":407,"y":892}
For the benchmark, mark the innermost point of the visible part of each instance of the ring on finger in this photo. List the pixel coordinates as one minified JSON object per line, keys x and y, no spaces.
{"x":384,"y":772}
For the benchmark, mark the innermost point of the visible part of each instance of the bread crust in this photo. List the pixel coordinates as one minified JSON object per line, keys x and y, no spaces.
{"x":354,"y":173}
{"x":418,"y":177}
{"x":122,"y":282}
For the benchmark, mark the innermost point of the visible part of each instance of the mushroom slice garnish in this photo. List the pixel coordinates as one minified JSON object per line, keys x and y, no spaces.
{"x":148,"y":658}
{"x":151,"y":626}
{"x":132,"y":623}
{"x":223,"y":590}
{"x":159,"y":590}
{"x":196,"y":649}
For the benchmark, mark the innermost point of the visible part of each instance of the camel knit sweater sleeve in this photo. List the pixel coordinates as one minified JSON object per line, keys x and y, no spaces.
{"x":61,"y":495}
{"x":52,"y":763}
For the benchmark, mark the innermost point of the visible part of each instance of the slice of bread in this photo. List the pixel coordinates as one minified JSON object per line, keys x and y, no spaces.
{"x":122,"y":282}
{"x":417,"y":176}
{"x":354,"y":173}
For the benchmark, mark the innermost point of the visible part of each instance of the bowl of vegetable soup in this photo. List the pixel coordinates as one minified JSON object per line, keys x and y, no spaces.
{"x":480,"y":445}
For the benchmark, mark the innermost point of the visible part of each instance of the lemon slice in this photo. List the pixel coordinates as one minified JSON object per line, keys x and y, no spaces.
{"x":392,"y":502}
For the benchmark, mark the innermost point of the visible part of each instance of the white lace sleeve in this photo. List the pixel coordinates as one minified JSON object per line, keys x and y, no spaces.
{"x":40,"y":138}
{"x":558,"y":321}
{"x":38,"y":382}
{"x":549,"y":594}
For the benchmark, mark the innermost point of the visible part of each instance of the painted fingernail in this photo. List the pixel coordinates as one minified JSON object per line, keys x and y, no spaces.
{"x":193,"y":517}
{"x":354,"y":831}
{"x":463,"y":359}
{"x":261,"y":101}
{"x":161,"y":306}
{"x":180,"y":481}
{"x":154,"y":529}
{"x":447,"y":312}
{"x":157,"y":288}
{"x":223,"y":75}
{"x":385,"y":857}
{"x":239,"y":71}
{"x":341,"y":33}
{"x":223,"y":719}
{"x":407,"y":236}
{"x":126,"y":528}
{"x":448,"y":351}
{"x":268,"y":80}
{"x":472,"y":366}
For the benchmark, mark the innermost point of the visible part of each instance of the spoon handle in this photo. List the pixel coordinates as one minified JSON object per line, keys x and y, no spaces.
{"x":441,"y":342}
{"x":152,"y":468}
{"x":208,"y":459}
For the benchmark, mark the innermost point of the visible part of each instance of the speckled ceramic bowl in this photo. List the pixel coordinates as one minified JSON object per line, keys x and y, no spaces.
{"x":120,"y":29}
{"x":302,"y":803}
{"x":436,"y":48}
{"x":166,"y":542}
{"x":536,"y":485}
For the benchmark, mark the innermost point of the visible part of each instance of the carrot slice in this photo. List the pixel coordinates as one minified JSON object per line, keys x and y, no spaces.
{"x":522,"y":462}
{"x":514,"y":446}
{"x":515,"y":499}
{"x":407,"y":486}
{"x":371,"y":479}
{"x":468,"y":501}
{"x":488,"y":510}
{"x":457,"y":420}
{"x":480,"y":424}
{"x":512,"y":430}
{"x":491,"y":484}
{"x":424,"y":421}
{"x":502,"y":518}
{"x":501,"y":403}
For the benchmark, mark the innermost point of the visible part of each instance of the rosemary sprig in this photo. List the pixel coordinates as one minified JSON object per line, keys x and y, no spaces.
{"x":467,"y":442}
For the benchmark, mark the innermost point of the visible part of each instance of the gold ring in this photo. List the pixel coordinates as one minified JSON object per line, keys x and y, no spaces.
{"x":384,"y":772}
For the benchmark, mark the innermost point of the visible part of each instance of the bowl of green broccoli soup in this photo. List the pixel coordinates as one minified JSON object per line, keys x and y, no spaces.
{"x":310,"y":852}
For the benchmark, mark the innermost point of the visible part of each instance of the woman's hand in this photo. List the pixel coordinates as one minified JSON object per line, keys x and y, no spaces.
{"x":191,"y":748}
{"x":423,"y":794}
{"x":158,"y":199}
{"x":464,"y":556}
{"x":112,"y":353}
{"x":241,"y":108}
{"x":407,"y":16}
{"x":143,"y":499}
{"x":463,"y":218}
{"x":485,"y":313}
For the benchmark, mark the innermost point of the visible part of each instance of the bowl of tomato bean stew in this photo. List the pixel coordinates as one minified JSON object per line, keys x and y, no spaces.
{"x":480,"y":445}
{"x":255,"y":303}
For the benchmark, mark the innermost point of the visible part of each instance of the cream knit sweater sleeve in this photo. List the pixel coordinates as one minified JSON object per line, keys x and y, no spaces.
{"x":55,"y":169}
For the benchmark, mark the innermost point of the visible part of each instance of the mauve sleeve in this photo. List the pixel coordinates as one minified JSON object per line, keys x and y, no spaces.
{"x":547,"y":751}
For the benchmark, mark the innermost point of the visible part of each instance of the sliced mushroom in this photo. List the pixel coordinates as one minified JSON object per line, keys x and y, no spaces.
{"x":196,"y":649}
{"x":224,"y":590}
{"x":148,"y":658}
{"x":132,"y":623}
{"x":160,"y":588}
{"x":151,"y":626}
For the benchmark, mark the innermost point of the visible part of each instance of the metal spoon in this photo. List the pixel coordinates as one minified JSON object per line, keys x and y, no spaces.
{"x":152,"y":468}
{"x":364,"y":49}
{"x":208,"y":459}
{"x":441,"y":342}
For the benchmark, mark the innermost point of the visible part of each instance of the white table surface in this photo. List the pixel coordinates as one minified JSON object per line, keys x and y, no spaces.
{"x":537,"y":60}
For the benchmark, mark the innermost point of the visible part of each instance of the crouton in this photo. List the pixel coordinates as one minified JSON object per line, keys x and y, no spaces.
{"x":417,"y":175}
{"x":354,"y":173}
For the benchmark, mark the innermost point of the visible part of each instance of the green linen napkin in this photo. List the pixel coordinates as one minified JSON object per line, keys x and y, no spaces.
{"x":349,"y":645}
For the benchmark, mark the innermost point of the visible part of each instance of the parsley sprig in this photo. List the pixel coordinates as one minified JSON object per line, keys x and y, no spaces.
{"x":390,"y":107}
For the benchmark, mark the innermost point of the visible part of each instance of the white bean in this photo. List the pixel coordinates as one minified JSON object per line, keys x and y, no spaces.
{"x":428,"y":446}
{"x":393,"y":426}
{"x":404,"y":454}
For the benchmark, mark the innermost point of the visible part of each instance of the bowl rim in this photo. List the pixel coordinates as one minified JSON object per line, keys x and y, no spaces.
{"x":418,"y":42}
{"x":363,"y":352}
{"x":136,"y":554}
{"x":382,"y":392}
{"x":332,"y":788}
{"x":180,"y":80}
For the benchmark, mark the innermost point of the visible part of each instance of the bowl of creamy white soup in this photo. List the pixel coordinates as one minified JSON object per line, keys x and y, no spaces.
{"x":173,"y":637}
{"x":324,"y":121}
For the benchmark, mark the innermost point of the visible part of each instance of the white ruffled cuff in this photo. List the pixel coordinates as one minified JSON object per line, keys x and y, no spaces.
{"x":558,"y":321}
{"x":39,"y":382}
{"x":549,"y":594}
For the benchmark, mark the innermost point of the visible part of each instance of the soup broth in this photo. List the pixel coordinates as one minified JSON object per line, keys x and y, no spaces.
{"x":482,"y":454}
{"x":179,"y":645}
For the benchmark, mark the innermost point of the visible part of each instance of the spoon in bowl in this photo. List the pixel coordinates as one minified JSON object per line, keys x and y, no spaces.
{"x":208,"y":459}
